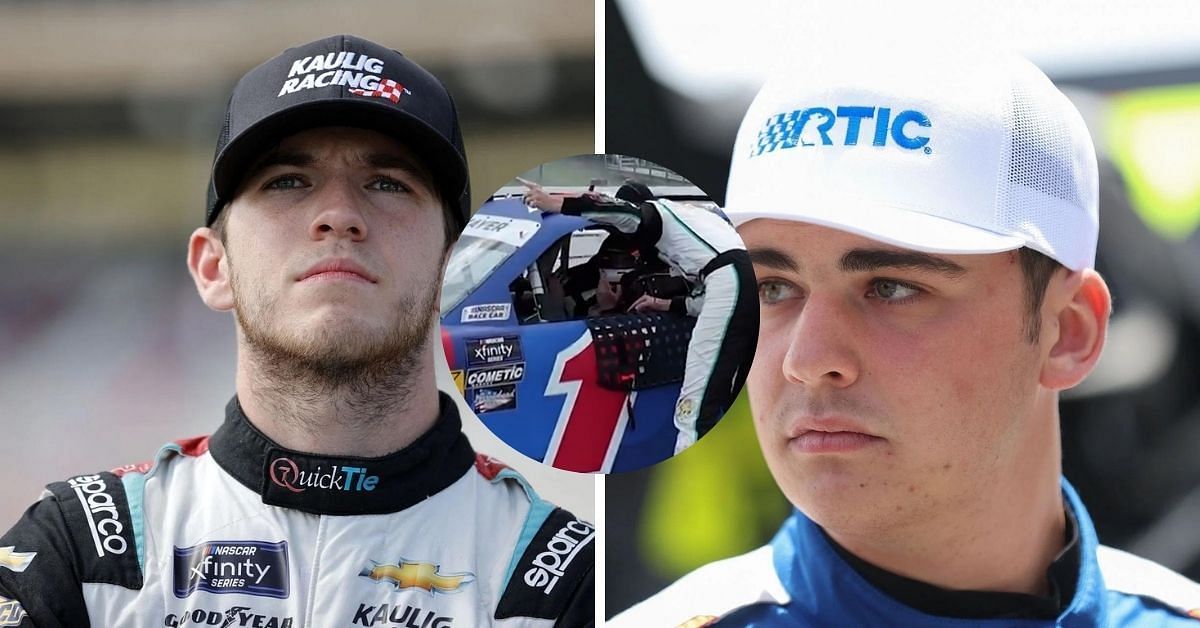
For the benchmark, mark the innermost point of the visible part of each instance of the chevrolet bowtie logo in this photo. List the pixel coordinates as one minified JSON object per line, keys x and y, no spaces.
{"x":410,"y":575}
{"x":16,"y":561}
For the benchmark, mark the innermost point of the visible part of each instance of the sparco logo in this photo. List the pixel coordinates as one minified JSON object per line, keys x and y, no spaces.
{"x":812,"y":126}
{"x":496,"y":375}
{"x":236,"y":616}
{"x":101,"y":511}
{"x":286,"y":473}
{"x":400,"y":615}
{"x":551,"y":563}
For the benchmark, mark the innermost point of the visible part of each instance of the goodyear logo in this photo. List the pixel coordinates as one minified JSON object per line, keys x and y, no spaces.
{"x":417,"y":575}
{"x":846,"y":126}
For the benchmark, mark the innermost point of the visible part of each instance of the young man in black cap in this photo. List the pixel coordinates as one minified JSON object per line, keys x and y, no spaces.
{"x":340,"y":490}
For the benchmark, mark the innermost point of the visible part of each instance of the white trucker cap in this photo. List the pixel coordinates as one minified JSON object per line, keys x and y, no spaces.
{"x":948,"y":153}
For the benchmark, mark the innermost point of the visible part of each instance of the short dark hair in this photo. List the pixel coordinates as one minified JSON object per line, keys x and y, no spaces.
{"x":220,"y":222}
{"x":1037,"y":268}
{"x":450,"y":223}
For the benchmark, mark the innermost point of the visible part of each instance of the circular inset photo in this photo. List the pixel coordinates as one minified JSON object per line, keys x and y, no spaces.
{"x":599,"y":313}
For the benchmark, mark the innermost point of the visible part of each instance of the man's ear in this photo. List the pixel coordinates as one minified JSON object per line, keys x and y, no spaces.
{"x":1080,"y":305}
{"x":209,"y":265}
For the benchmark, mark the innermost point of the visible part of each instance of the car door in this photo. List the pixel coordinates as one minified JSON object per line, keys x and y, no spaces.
{"x":528,"y":367}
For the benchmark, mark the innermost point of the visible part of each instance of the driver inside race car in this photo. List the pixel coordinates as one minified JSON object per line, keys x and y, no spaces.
{"x":583,"y":285}
{"x":702,"y":247}
{"x":340,"y":489}
{"x":613,"y":265}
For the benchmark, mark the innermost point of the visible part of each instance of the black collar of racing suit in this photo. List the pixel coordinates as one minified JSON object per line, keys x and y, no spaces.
{"x":964,"y":604}
{"x":343,"y":485}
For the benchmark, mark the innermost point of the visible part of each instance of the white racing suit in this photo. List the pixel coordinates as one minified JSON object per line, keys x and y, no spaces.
{"x":702,"y":246}
{"x":234,"y":530}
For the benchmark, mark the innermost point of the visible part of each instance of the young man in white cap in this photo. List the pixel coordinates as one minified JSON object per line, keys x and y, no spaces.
{"x":923,"y":232}
{"x":340,"y":490}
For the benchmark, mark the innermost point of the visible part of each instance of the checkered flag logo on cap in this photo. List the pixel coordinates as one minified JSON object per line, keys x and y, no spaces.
{"x":388,"y":89}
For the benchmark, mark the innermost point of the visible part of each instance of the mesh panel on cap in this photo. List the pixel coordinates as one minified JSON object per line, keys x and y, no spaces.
{"x":223,"y":138}
{"x":212,"y":201}
{"x":1043,"y":190}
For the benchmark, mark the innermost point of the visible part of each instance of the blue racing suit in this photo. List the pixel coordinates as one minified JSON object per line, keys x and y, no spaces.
{"x":801,"y":579}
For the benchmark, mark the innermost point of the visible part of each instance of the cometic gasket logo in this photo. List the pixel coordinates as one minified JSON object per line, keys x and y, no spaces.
{"x":286,"y":473}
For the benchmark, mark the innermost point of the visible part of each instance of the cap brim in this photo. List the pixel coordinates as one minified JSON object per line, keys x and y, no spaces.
{"x":896,"y":226}
{"x":436,"y":153}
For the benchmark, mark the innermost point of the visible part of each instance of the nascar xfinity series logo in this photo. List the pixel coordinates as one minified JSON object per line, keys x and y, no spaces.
{"x":815,"y":126}
{"x":249,"y":567}
{"x":356,"y":71}
{"x":287,"y":473}
{"x":484,"y":351}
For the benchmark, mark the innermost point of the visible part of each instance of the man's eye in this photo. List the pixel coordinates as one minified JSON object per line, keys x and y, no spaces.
{"x":388,"y":184}
{"x":892,"y":291}
{"x":285,"y":182}
{"x":771,"y":292}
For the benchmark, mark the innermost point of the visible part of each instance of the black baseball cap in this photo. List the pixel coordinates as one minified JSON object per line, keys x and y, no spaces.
{"x":341,"y":81}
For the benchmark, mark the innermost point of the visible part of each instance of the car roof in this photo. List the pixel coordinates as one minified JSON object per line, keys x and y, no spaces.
{"x":553,"y":226}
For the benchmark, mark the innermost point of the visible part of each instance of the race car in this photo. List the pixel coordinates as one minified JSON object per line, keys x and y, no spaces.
{"x":586,"y":392}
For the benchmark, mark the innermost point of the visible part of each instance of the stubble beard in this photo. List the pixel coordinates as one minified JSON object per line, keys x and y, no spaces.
{"x":354,"y":376}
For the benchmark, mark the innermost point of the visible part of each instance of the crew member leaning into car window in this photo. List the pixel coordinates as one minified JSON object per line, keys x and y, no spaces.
{"x":704,"y":248}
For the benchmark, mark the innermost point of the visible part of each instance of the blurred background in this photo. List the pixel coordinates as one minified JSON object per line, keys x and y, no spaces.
{"x":109,"y":113}
{"x":601,"y":171}
{"x":678,"y":77}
